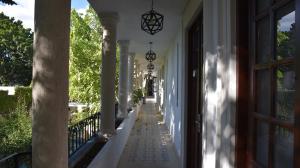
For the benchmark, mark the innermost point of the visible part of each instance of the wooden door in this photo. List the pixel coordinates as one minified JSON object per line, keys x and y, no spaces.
{"x":194,"y":139}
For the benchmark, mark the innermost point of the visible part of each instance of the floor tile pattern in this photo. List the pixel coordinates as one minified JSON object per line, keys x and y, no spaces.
{"x":149,"y":144}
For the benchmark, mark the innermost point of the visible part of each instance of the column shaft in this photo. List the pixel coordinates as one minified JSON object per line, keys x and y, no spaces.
{"x":123,"y":78}
{"x":109,"y":23}
{"x":130,"y":77}
{"x":136,"y":71}
{"x":50,"y":84}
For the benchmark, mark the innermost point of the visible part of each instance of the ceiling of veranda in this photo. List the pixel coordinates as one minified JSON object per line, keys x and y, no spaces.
{"x":129,"y":25}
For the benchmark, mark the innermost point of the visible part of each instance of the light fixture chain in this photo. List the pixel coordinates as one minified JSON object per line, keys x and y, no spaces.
{"x":152,"y":5}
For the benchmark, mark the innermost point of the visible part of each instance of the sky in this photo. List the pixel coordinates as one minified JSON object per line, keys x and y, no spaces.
{"x":24,"y":11}
{"x":287,"y":21}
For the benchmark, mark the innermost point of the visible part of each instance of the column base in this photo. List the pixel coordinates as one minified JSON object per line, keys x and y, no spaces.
{"x":122,"y":115}
{"x":107,"y":133}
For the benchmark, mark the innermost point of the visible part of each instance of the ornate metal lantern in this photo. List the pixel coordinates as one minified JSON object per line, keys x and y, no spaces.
{"x":150,"y":55}
{"x":152,"y":21}
{"x":150,"y":66}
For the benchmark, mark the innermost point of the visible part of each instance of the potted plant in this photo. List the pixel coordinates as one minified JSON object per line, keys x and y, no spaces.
{"x":137,"y":96}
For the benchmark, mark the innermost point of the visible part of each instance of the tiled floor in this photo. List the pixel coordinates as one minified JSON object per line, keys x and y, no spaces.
{"x":149,"y":145}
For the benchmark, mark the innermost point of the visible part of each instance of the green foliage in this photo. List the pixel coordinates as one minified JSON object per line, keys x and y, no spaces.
{"x":137,"y":95}
{"x":117,"y":72}
{"x":16,"y":52}
{"x":10,"y":102}
{"x":286,"y":42}
{"x":85,"y":58}
{"x":15,"y":130}
{"x":25,"y":94}
{"x":79,"y":116}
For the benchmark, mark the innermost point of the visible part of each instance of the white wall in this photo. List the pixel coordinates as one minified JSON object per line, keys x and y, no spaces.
{"x":173,"y":92}
{"x":219,"y":83}
{"x":9,"y":89}
{"x":219,"y":79}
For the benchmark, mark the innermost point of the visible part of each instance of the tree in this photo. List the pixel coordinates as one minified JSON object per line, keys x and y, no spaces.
{"x":9,"y":2}
{"x":85,"y":58}
{"x":16,"y":52}
{"x":286,"y":41}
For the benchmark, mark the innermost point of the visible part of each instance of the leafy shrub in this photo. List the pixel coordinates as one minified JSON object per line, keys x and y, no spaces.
{"x":7,"y":102}
{"x":10,"y":102}
{"x":24,"y":94}
{"x":76,"y":117}
{"x":137,"y":96}
{"x":15,"y":130}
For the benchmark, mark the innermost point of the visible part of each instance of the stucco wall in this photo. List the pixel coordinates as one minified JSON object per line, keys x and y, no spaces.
{"x":173,"y":92}
{"x":219,"y":84}
{"x":219,"y":79}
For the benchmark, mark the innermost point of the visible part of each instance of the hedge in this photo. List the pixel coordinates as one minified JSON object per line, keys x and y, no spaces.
{"x":15,"y":130}
{"x":9,"y":103}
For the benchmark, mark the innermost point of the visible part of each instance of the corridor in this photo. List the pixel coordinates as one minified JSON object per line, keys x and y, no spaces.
{"x":149,"y":144}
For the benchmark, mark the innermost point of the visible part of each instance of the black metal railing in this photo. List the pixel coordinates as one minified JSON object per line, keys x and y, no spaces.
{"x":78,"y":135}
{"x":18,"y":160}
{"x":82,"y":132}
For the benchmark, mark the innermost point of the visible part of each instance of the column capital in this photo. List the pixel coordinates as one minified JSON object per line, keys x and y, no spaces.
{"x":108,"y":18}
{"x":123,"y":43}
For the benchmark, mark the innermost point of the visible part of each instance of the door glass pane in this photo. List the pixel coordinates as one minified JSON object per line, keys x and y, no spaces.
{"x":262,"y":141}
{"x":263,"y":92}
{"x":285,"y":93}
{"x":283,"y":148}
{"x":286,"y":35}
{"x":263,"y":41}
{"x":262,"y":5}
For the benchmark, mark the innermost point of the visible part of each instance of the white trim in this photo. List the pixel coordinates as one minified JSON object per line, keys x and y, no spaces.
{"x":110,"y":154}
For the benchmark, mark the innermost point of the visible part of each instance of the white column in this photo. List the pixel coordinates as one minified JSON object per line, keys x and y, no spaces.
{"x":50,"y":84}
{"x":130,"y":77}
{"x":140,"y":77}
{"x":137,"y":73}
{"x":158,"y":88}
{"x":109,"y":24}
{"x":123,"y":78}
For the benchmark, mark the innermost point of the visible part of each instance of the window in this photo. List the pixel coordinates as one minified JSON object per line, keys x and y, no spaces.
{"x":273,"y":83}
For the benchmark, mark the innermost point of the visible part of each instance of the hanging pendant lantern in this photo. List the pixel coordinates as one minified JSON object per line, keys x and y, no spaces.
{"x":150,"y":66}
{"x":150,"y":55}
{"x":152,"y":21}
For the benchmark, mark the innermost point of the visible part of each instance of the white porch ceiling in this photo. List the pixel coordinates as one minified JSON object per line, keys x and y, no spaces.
{"x":129,"y":25}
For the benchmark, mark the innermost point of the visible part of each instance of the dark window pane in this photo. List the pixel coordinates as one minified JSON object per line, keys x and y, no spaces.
{"x":263,"y":92}
{"x":285,"y":98}
{"x":286,"y":35}
{"x":263,"y":41}
{"x":262,"y":5}
{"x":262,"y":141}
{"x":283,"y":148}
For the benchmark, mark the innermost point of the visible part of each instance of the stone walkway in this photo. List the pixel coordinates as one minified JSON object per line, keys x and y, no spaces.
{"x":149,"y":144}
